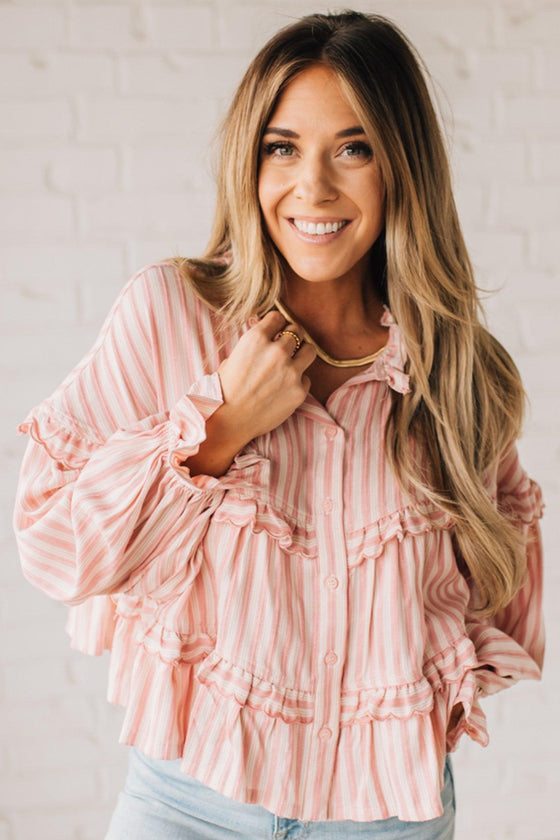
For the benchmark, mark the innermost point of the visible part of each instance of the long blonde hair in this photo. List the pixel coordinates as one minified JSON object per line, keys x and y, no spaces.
{"x":467,"y":400}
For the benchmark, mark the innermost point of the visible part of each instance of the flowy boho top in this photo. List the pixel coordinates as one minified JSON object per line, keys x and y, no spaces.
{"x":296,"y":631}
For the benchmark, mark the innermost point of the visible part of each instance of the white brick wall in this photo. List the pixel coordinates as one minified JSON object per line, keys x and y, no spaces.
{"x":108,"y":112}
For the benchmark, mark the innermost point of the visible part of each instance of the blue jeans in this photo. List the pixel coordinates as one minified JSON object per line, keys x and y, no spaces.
{"x":160,"y":802}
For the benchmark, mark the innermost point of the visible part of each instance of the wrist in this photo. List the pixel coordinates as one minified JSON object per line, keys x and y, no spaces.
{"x":225,"y":438}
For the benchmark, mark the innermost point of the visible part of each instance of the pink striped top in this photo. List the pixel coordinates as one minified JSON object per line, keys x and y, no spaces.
{"x":296,"y":631}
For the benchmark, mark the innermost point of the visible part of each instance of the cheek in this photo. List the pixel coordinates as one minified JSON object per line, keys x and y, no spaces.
{"x":271,"y":189}
{"x":265,"y":199}
{"x":374,"y":199}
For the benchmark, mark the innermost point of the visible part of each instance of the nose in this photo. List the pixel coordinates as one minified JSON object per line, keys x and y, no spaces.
{"x":314,"y":181}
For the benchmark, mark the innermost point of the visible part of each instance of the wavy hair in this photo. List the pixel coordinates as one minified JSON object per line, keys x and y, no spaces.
{"x":467,"y":400}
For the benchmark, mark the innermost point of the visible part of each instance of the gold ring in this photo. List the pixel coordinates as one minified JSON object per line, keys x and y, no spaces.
{"x":295,"y":336}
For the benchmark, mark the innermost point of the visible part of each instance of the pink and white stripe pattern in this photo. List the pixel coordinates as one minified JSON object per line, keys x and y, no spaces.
{"x":297,"y":631}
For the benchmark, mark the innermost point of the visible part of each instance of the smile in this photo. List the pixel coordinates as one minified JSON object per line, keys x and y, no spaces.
{"x":318,"y":233}
{"x":319,"y":228}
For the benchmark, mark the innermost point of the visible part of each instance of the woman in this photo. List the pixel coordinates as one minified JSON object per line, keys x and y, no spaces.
{"x":283,"y":487}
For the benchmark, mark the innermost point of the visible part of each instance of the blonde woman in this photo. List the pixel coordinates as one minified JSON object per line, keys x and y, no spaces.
{"x":283,"y":486}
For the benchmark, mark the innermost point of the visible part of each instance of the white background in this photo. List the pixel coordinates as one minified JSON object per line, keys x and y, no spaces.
{"x":107,"y":115}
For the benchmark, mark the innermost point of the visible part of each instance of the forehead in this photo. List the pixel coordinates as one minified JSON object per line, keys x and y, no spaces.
{"x":314,"y":94}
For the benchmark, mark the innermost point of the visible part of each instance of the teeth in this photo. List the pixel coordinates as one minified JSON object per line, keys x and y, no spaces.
{"x":320,"y":228}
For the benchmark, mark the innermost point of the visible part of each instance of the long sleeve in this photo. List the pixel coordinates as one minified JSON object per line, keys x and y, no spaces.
{"x":101,"y":492}
{"x":510,"y":646}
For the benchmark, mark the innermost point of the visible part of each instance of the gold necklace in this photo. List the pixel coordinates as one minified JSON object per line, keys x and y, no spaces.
{"x":339,"y":363}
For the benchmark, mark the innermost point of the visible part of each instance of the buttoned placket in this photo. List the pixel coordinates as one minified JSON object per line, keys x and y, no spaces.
{"x":332,"y":607}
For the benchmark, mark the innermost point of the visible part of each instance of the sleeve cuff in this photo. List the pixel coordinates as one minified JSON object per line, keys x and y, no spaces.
{"x":471,"y":722}
{"x":189,"y":417}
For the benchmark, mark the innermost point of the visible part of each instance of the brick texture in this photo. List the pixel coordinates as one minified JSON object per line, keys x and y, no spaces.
{"x":109,"y":109}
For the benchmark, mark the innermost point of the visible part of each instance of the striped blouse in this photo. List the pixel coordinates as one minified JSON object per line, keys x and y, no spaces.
{"x":296,"y":631}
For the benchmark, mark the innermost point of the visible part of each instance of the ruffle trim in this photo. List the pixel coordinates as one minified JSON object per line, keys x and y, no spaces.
{"x":248,"y":474}
{"x":63,"y":439}
{"x":153,"y":661}
{"x":149,"y":660}
{"x":247,"y":689}
{"x":393,"y":359}
{"x":369,"y":542}
{"x":241,"y":510}
{"x":71,"y":446}
{"x":450,"y":670}
{"x":453,"y":671}
{"x":158,"y":675}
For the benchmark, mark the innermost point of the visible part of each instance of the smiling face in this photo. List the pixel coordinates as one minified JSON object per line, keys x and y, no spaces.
{"x":320,"y":187}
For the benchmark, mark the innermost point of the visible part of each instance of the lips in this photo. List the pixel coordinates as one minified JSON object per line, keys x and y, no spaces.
{"x":318,"y":232}
{"x":319,"y":228}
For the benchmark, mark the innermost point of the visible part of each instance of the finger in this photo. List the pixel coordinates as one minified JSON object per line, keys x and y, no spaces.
{"x":289,"y":338}
{"x":271,"y":323}
{"x":305,"y":356}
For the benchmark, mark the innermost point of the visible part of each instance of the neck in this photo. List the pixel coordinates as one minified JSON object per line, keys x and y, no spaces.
{"x":340,"y":318}
{"x":332,"y":307}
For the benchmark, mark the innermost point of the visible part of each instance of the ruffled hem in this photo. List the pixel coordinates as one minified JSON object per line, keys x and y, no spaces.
{"x":213,"y":714}
{"x":158,"y":706}
{"x":450,"y":672}
{"x":152,"y":674}
{"x":247,"y":689}
{"x":401,"y":701}
{"x":184,"y":700}
{"x":149,"y":660}
{"x":65,"y":442}
{"x":224,"y":734}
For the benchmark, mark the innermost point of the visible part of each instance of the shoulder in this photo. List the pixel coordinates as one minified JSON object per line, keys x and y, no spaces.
{"x":154,"y":312}
{"x":158,"y":282}
{"x":159,"y":299}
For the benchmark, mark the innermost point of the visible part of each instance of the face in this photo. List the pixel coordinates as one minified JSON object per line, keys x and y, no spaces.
{"x":320,"y":187}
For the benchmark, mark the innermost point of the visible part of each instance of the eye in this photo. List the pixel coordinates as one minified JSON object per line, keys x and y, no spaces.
{"x":278,"y":149}
{"x":358,"y":150}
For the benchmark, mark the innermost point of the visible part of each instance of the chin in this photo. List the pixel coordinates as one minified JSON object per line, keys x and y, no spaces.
{"x":317,"y":273}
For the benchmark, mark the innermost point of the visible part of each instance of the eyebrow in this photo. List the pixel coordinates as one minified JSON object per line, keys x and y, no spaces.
{"x":287,"y":132}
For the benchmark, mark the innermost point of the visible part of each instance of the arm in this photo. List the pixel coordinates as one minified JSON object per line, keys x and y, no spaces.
{"x":84,"y":530}
{"x":98,"y":485}
{"x":510,"y":645}
{"x":106,"y":487}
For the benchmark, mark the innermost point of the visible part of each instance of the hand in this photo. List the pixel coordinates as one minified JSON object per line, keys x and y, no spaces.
{"x":263,"y":382}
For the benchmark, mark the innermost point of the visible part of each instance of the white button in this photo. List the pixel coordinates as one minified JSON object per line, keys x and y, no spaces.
{"x":332,"y":582}
{"x":331,"y":658}
{"x":330,"y":432}
{"x":327,"y":505}
{"x":325,"y":733}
